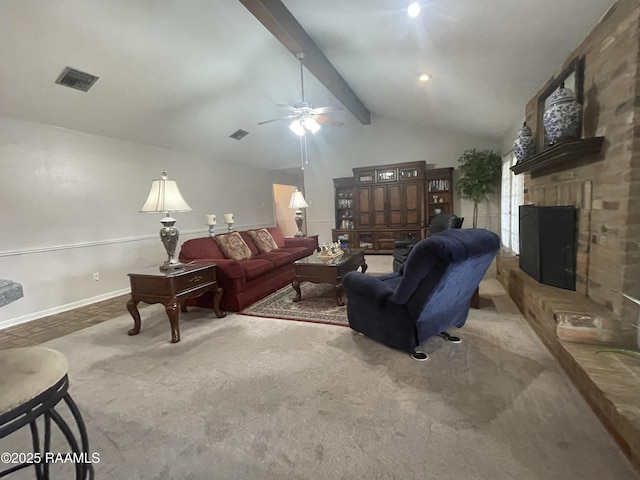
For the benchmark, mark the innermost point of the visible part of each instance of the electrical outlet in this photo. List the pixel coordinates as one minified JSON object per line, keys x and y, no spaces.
{"x":96,"y":276}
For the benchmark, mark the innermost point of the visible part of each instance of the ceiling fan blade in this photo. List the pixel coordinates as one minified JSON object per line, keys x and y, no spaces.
{"x":328,"y":121}
{"x":321,"y":110}
{"x":277,"y":119}
{"x":284,"y":105}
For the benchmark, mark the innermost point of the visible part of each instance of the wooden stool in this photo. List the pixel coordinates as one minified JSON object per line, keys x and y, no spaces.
{"x":33,"y":381}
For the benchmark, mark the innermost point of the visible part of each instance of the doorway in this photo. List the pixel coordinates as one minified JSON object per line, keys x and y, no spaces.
{"x":285,"y":217}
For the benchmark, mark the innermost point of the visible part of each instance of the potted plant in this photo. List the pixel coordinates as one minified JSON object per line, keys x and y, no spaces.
{"x":621,"y":351}
{"x":480,"y":172}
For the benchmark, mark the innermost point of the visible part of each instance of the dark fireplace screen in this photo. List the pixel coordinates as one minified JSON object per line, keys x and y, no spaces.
{"x":548,"y":244}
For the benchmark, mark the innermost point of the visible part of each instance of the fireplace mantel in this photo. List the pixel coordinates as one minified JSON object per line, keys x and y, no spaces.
{"x":559,"y":155}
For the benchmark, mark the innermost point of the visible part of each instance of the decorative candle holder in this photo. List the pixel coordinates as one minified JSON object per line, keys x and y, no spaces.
{"x":228,"y":218}
{"x":211,"y":221}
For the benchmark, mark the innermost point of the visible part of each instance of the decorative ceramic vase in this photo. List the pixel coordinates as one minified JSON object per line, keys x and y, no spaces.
{"x":524,"y":146}
{"x":562,"y":120}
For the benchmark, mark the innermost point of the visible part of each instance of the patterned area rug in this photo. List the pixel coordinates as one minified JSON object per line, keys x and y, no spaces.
{"x":318,"y":305}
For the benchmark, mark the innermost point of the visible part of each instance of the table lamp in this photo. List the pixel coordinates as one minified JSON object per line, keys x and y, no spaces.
{"x":165,"y":197}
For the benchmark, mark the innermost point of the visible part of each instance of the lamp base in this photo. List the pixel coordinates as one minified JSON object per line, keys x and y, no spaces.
{"x":169,"y":235}
{"x":299,"y":219}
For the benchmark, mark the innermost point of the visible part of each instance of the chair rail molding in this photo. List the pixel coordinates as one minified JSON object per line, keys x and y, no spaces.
{"x":98,"y":243}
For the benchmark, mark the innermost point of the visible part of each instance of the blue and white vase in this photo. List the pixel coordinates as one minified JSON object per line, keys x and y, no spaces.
{"x":562,"y":120}
{"x":524,"y":146}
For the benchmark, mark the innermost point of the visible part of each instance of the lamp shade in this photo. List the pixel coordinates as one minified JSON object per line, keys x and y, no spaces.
{"x":297,"y":200}
{"x":165,"y":197}
{"x":310,"y":124}
{"x":296,"y":127}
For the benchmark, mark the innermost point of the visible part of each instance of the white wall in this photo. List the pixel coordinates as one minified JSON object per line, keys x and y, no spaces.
{"x":384,"y":141}
{"x":70,"y":203}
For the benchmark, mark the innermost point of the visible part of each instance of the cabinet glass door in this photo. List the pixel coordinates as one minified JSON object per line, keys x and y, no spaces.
{"x":388,"y":175}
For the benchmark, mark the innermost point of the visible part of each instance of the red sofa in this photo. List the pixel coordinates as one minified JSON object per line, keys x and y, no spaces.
{"x":247,"y":281}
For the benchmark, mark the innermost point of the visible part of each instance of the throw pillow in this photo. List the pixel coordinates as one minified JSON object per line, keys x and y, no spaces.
{"x":263,"y":240}
{"x":233,"y":246}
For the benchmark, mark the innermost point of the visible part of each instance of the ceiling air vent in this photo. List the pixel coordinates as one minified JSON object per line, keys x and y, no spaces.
{"x":239,"y":134}
{"x":76,"y":79}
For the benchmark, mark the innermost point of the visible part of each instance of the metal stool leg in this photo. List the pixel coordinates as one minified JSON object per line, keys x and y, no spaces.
{"x":71,"y":440}
{"x":44,"y":406}
{"x":84,"y":438}
{"x":36,"y":448}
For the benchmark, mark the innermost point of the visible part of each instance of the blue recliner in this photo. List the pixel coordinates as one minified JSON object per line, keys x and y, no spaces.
{"x":429,"y":294}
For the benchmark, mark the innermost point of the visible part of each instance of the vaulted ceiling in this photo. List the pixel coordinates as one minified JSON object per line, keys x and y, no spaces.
{"x":185,"y":75}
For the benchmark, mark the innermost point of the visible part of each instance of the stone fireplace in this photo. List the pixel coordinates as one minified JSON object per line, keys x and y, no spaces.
{"x":598,"y":174}
{"x":605,"y":186}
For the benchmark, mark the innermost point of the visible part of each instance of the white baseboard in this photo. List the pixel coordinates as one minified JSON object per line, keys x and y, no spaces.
{"x":61,"y":308}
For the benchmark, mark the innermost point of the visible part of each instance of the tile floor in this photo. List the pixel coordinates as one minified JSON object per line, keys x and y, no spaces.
{"x":54,"y":326}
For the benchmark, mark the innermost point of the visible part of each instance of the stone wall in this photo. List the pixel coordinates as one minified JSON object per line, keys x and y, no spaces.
{"x":607,"y":189}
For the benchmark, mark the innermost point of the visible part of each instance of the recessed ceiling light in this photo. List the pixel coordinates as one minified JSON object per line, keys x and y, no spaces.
{"x":413,"y":10}
{"x":424,"y":77}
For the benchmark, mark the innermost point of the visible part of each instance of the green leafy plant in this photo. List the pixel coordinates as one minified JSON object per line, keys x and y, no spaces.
{"x":480,"y":172}
{"x":621,"y":351}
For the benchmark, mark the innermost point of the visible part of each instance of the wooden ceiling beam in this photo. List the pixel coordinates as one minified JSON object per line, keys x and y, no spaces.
{"x":283,"y":25}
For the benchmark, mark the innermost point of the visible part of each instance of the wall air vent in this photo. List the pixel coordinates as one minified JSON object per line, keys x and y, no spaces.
{"x":239,"y":134}
{"x":76,"y":79}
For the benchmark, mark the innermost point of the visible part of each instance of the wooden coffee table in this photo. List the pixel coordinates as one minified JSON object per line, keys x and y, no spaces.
{"x":172,"y":289}
{"x":316,"y":269}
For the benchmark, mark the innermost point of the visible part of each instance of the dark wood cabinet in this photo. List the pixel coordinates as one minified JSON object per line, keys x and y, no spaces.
{"x":344,"y":203}
{"x":439,"y":183}
{"x":396,"y":205}
{"x":346,"y":238}
{"x":389,"y":203}
{"x":413,"y":204}
{"x":345,"y":225}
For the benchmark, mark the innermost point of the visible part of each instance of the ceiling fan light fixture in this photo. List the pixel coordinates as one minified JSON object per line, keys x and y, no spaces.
{"x":413,"y":10}
{"x":296,"y":127}
{"x":310,"y":124}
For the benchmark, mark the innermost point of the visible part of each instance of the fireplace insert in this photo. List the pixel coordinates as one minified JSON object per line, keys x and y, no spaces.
{"x":548,"y":244}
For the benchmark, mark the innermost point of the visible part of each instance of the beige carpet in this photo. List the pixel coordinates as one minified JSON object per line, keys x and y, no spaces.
{"x":252,"y":398}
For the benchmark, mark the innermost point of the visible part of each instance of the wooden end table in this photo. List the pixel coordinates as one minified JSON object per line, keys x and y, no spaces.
{"x":315,"y":269}
{"x":172,"y":289}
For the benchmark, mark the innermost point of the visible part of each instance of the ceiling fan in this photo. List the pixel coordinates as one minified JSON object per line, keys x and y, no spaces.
{"x":305,"y":115}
